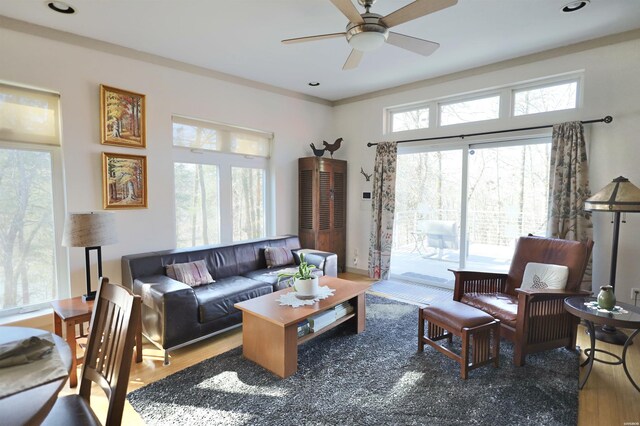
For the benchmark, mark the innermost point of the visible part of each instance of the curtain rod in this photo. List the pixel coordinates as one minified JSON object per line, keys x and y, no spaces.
{"x":607,"y":119}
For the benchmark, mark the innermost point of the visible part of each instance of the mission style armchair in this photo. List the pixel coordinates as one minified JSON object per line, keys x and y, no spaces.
{"x":534,"y":319}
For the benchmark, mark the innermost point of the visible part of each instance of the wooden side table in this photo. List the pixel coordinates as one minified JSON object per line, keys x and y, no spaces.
{"x":72,"y":312}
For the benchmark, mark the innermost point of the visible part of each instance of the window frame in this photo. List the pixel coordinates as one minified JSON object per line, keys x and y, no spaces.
{"x":506,"y":94}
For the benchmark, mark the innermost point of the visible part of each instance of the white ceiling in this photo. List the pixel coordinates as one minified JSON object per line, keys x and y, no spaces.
{"x":242,"y":37}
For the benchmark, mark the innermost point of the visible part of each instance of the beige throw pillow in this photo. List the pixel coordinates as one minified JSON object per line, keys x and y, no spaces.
{"x":193,"y":273}
{"x":542,"y":276}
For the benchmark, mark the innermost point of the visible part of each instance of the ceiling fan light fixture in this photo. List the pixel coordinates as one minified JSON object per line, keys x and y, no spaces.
{"x":367,"y":41}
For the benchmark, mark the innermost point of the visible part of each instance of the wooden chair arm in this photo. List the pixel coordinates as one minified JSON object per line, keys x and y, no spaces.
{"x":477,"y":282}
{"x":546,"y":294}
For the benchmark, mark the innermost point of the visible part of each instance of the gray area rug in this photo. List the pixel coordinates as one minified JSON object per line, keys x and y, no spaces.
{"x":412,"y":292}
{"x":374,"y":378}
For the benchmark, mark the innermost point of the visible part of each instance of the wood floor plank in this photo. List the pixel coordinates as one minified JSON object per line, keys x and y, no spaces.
{"x":608,"y":398}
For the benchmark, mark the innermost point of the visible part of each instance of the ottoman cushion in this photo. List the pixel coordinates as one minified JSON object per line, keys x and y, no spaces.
{"x":456,"y":316}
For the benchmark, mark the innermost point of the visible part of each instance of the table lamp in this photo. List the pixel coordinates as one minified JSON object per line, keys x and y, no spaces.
{"x":92,"y":231}
{"x":620,"y":196}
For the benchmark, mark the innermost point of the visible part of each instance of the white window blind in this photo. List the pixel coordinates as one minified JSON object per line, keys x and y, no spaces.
{"x":207,"y":135}
{"x":29,"y":115}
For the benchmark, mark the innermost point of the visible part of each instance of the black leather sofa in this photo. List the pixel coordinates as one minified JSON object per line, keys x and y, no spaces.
{"x":175,"y":314}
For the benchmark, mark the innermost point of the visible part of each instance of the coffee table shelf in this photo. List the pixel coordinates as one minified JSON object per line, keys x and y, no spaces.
{"x":331,"y":326}
{"x":270,"y":331}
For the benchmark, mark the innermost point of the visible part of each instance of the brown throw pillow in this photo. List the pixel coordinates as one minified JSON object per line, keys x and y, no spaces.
{"x":192,"y":273}
{"x":278,"y":256}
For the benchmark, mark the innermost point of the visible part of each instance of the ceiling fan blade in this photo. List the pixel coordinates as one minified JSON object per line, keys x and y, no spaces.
{"x":312,"y":38}
{"x":415,"y":10}
{"x":349,"y":10}
{"x":414,"y":44}
{"x":353,"y":60}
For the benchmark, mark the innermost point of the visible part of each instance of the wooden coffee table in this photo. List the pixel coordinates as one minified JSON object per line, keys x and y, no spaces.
{"x":270,"y":331}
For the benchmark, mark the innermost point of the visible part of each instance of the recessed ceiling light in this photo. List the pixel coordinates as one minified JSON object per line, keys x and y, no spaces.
{"x":314,"y":83}
{"x":61,"y":7}
{"x":574,"y":6}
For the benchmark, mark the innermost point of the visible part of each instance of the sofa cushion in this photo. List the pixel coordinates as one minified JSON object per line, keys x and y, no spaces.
{"x":499,"y":305}
{"x":278,"y":256}
{"x":544,"y":276}
{"x":192,"y":273}
{"x":217,"y":300}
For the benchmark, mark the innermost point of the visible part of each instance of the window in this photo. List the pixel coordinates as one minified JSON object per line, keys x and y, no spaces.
{"x":470,"y":111}
{"x":211,"y":176}
{"x":248,"y":203}
{"x":31,"y":209}
{"x":544,"y":99}
{"x":411,"y":119}
{"x":197,"y":205}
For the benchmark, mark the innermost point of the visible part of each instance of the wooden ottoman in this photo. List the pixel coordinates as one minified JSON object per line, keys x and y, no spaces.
{"x":479,"y":331}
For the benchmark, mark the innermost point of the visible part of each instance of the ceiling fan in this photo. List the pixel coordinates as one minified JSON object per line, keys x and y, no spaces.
{"x":368,"y":31}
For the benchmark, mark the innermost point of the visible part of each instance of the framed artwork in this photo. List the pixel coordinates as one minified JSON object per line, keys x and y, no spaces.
{"x":124,"y":181}
{"x":122,"y":118}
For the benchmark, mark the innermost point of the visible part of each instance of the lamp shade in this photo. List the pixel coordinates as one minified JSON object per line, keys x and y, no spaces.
{"x":619,"y":196}
{"x":91,"y":229}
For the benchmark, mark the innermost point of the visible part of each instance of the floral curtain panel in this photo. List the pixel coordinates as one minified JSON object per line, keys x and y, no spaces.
{"x":569,"y":188}
{"x":383,"y":205}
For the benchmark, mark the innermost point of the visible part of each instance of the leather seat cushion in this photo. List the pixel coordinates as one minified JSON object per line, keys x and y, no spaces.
{"x":71,"y":410}
{"x":216,"y":300}
{"x":454,"y":316}
{"x":499,"y":305}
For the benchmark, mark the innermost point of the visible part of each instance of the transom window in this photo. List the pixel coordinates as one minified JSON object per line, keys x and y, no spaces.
{"x":553,"y":94}
{"x":539,"y":99}
{"x":470,"y":110}
{"x":411,"y":119}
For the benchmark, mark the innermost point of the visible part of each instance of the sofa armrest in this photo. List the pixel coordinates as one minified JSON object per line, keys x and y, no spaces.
{"x":323,"y":260}
{"x":477,"y":282}
{"x":551,"y":293}
{"x":169,"y":306}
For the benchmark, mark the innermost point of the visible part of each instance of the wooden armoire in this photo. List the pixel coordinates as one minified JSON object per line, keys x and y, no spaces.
{"x":322,"y":206}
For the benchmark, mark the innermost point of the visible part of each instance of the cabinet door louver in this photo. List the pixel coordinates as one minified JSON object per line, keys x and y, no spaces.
{"x":306,"y":199}
{"x":324,"y":215}
{"x":322,"y":206}
{"x":338,"y":200}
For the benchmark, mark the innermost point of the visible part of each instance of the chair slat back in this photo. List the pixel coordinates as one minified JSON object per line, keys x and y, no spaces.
{"x":109,"y":351}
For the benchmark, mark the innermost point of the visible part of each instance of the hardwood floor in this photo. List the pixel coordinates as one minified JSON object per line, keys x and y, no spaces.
{"x":608,"y":398}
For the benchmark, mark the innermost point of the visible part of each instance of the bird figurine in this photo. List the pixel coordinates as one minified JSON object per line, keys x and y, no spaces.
{"x":332,"y":147}
{"x":366,"y":176}
{"x":317,"y":152}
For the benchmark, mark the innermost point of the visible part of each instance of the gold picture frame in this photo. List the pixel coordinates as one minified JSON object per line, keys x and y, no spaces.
{"x":124,"y":181}
{"x":122,"y":118}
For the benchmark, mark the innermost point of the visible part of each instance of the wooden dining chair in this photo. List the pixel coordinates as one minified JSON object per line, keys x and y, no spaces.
{"x":108,"y":357}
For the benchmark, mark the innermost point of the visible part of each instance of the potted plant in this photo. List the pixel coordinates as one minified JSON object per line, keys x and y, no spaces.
{"x":305,"y":283}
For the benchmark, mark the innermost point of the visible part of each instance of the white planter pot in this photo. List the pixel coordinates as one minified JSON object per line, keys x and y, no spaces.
{"x":306,"y":289}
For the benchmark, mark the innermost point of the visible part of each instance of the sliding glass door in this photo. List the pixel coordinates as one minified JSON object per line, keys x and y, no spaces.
{"x":426,"y":240}
{"x":466,"y":207}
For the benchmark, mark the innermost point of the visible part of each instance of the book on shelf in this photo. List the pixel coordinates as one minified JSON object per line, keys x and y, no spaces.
{"x":321,"y":320}
{"x":303,"y":328}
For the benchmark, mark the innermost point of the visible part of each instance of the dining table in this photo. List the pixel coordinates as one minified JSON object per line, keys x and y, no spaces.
{"x":31,"y":406}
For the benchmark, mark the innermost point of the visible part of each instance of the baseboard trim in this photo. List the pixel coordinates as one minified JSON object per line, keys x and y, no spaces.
{"x":358,"y":271}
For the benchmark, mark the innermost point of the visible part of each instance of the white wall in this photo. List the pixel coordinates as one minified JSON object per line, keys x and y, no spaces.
{"x":76,"y":73}
{"x":610,"y":88}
